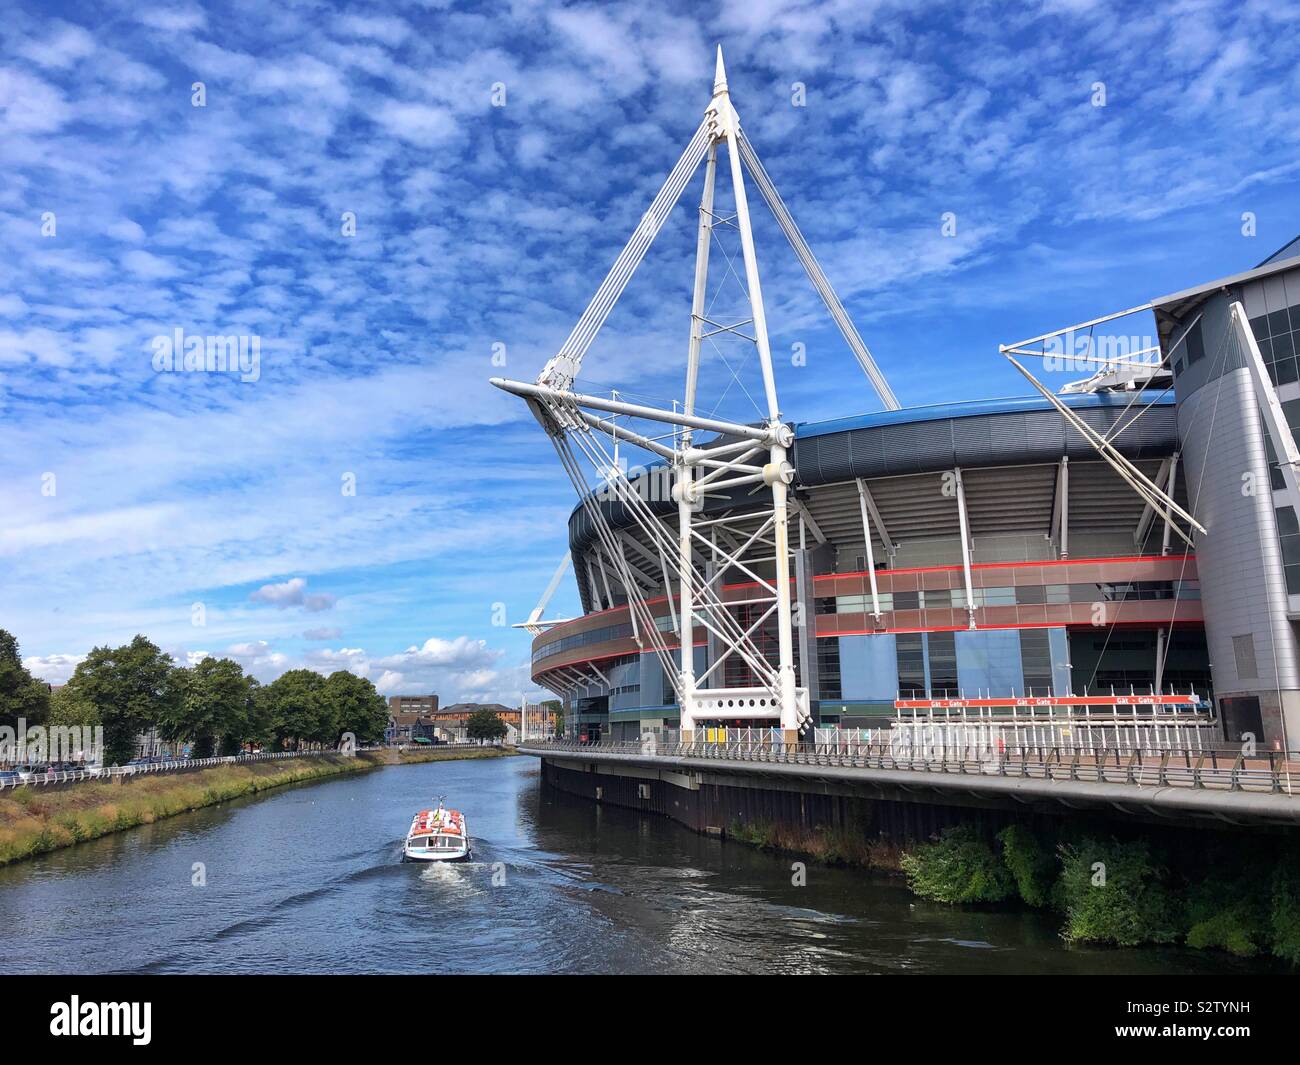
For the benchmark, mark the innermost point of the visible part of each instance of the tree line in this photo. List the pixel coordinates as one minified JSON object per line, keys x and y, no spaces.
{"x":214,"y":706}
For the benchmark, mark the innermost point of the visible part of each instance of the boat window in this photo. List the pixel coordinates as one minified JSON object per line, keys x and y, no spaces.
{"x":421,"y":843}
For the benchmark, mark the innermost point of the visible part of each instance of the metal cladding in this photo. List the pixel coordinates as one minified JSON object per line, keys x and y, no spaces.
{"x":986,"y":433}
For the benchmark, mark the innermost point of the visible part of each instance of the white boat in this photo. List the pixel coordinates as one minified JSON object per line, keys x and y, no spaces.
{"x":437,"y":835}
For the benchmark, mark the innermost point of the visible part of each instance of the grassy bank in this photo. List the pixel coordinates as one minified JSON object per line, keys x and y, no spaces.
{"x":36,"y":820}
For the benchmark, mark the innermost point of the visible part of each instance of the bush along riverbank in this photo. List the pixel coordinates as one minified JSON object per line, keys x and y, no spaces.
{"x":1240,"y":894}
{"x":1200,"y":888}
{"x":36,"y":820}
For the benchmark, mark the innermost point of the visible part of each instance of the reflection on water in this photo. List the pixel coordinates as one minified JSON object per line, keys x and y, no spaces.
{"x":309,"y":879}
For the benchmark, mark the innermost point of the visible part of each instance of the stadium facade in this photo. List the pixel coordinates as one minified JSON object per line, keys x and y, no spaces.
{"x":1012,"y":562}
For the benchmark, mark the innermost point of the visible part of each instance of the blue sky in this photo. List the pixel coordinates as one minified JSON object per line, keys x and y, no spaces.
{"x":128,"y":496}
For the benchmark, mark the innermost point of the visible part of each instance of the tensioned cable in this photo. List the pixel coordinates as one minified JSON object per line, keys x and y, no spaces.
{"x":713,"y":608}
{"x":1220,"y":350}
{"x":584,"y":332}
{"x":1115,"y":431}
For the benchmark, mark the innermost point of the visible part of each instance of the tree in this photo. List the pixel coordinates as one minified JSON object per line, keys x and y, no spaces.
{"x":132,"y":687}
{"x":261,"y":714}
{"x":356,"y":707}
{"x":485,"y":725}
{"x":70,"y":707}
{"x":21,"y":694}
{"x":300,"y":712}
{"x":214,"y":703}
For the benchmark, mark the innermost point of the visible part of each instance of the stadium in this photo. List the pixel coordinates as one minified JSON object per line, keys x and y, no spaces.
{"x":1125,"y":550}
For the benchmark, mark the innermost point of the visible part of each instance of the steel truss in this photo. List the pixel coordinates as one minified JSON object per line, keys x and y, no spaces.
{"x":693,"y":556}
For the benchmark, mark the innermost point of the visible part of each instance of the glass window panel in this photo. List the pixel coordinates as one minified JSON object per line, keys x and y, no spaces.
{"x":943,"y":664}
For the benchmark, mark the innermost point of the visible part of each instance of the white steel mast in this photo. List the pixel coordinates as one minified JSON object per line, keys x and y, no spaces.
{"x":730,"y":462}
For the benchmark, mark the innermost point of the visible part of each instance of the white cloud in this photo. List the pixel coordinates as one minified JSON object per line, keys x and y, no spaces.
{"x":418,"y":123}
{"x":126,"y":230}
{"x":148,"y":266}
{"x":327,"y":633}
{"x":459,"y":653}
{"x":292,"y":592}
{"x":54,"y":669}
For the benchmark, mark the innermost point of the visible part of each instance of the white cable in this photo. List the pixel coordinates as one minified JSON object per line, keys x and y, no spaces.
{"x":584,"y":332}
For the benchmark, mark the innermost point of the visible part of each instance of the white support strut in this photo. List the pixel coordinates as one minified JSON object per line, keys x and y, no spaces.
{"x":687,"y":564}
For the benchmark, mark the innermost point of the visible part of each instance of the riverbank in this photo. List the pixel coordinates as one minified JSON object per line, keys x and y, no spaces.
{"x":37,"y":820}
{"x":1221,"y":893}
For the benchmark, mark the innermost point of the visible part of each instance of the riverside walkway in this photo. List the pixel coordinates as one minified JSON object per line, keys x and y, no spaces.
{"x":1155,"y":780}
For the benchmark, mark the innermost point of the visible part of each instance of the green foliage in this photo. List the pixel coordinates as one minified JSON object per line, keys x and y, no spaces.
{"x":21,"y":695}
{"x":1032,"y":864}
{"x":300,"y":713}
{"x":70,"y":707}
{"x":961,"y":867}
{"x":1284,"y":909}
{"x":485,"y":725}
{"x":215,"y":702}
{"x":1227,"y":904}
{"x":1115,"y":892}
{"x":356,"y":707}
{"x":132,"y":687}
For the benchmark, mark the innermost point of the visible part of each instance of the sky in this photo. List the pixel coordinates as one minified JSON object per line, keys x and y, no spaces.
{"x":389,"y":201}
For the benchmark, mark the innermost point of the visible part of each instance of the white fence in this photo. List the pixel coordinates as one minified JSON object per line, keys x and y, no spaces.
{"x":974,"y":738}
{"x":49,"y":776}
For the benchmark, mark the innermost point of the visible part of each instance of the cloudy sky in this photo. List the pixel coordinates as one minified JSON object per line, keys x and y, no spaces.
{"x":382,"y":197}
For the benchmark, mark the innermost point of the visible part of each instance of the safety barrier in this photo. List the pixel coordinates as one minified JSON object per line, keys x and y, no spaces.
{"x":41,"y":778}
{"x":887,"y":749}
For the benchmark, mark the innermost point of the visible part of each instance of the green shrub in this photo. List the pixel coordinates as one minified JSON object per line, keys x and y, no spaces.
{"x":1228,"y":905}
{"x":1116,"y":893}
{"x":960,"y":867}
{"x":1032,"y":865}
{"x":1284,"y":909}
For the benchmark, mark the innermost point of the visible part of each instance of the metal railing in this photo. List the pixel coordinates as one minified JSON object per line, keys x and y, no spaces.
{"x":1226,"y":769}
{"x":44,"y":777}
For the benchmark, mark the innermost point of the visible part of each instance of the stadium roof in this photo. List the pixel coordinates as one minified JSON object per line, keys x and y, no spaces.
{"x":973,"y":408}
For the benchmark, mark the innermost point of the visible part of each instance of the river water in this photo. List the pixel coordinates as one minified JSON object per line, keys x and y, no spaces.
{"x":309,"y":879}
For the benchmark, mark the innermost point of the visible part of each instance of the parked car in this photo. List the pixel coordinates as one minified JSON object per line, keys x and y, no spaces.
{"x":29,"y":771}
{"x":9,"y":778}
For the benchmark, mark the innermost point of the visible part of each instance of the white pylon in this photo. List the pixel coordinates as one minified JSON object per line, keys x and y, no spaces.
{"x":700,"y":472}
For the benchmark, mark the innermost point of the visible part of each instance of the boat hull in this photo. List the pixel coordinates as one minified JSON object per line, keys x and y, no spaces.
{"x":409,"y":855}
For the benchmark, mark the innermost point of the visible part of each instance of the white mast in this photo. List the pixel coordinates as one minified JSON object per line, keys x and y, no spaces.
{"x":729,"y":542}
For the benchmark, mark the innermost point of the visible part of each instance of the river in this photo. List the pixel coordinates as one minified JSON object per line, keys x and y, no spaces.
{"x":309,"y":879}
